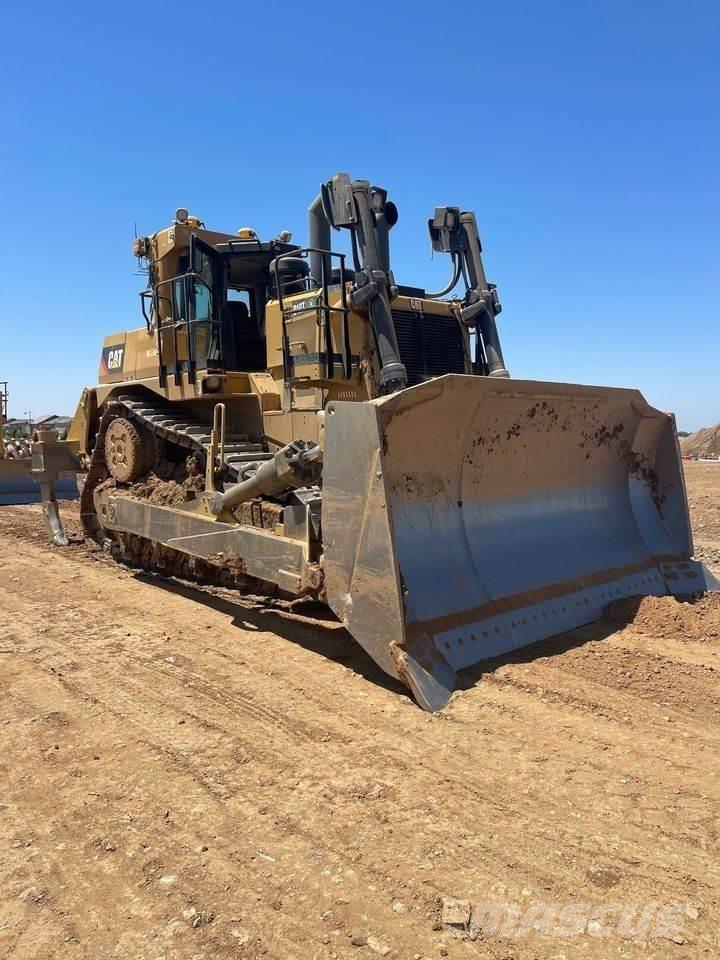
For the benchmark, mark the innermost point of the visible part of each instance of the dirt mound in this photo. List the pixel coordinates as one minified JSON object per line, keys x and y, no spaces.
{"x":166,"y":492}
{"x":668,"y":617}
{"x":703,"y":443}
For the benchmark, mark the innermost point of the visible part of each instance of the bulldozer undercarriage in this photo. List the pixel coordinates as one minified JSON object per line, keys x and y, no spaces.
{"x":148,"y":452}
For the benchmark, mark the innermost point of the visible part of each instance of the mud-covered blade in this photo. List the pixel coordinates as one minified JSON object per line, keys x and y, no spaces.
{"x":468,"y":516}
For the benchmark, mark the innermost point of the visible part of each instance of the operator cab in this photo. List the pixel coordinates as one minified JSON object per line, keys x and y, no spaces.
{"x":210,"y":314}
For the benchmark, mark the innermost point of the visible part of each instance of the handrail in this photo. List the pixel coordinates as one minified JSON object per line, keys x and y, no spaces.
{"x":324,"y":310}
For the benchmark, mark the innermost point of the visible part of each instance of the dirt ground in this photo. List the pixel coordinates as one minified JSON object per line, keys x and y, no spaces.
{"x":702,"y":480}
{"x":186,"y":773}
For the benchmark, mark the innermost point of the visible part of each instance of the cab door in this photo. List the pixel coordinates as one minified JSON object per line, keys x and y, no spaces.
{"x":204,"y":289}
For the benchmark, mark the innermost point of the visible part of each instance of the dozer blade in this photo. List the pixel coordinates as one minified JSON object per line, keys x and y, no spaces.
{"x":469,"y":516}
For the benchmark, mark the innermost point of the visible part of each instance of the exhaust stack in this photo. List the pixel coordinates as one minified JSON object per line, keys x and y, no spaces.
{"x":319,"y":239}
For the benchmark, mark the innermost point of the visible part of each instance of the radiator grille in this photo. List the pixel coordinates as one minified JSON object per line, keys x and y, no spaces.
{"x":430,"y":344}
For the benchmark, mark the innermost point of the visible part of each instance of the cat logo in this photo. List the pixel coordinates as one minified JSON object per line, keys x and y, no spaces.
{"x":302,"y":306}
{"x":113,"y":359}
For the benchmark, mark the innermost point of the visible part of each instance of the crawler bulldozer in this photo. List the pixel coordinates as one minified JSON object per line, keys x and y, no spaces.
{"x":295,"y":419}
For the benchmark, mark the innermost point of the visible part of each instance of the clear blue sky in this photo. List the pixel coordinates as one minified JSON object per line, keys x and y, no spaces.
{"x":584,"y":135}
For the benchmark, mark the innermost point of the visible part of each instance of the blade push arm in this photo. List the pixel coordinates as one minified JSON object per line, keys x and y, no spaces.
{"x":359,"y":207}
{"x":455,"y":232}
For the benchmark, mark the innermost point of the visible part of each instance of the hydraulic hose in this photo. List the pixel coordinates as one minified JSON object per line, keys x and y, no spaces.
{"x":457,"y":269}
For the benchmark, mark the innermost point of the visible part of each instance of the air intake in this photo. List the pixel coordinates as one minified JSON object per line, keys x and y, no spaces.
{"x":430,"y":344}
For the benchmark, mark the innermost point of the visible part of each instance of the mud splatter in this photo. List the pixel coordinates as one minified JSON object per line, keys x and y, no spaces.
{"x":602,"y":436}
{"x":639,"y":467}
{"x":411,"y":485}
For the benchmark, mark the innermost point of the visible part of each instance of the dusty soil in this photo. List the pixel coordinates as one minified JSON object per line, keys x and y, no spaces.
{"x":703,"y":491}
{"x":190,"y":774}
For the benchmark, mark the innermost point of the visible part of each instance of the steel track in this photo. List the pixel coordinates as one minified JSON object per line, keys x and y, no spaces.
{"x":168,"y":423}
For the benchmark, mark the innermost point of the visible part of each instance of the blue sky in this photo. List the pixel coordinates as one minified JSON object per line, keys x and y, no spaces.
{"x":584,"y":135}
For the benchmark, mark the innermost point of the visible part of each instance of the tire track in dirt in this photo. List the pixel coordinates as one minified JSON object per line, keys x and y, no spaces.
{"x":131,"y":698}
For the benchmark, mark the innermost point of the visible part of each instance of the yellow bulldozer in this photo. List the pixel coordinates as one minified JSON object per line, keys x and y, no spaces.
{"x":293,"y":419}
